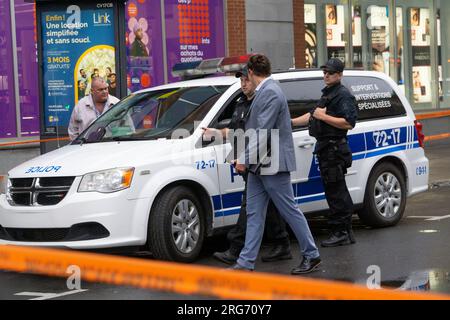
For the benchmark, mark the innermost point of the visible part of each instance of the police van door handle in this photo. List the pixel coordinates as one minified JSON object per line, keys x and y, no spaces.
{"x":306,"y":144}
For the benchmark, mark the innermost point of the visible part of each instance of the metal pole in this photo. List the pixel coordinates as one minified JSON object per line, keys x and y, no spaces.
{"x":164,"y":45}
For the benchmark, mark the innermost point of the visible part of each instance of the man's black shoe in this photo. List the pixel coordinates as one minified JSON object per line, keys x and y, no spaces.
{"x":226,"y":257}
{"x":238,"y":267}
{"x":339,"y":238}
{"x":278,"y":252}
{"x":308,"y":265}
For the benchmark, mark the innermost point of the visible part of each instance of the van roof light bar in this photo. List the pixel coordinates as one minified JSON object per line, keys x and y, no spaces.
{"x":189,"y":70}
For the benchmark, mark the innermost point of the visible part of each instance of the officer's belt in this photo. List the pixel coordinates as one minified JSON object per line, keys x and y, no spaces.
{"x":333,"y":140}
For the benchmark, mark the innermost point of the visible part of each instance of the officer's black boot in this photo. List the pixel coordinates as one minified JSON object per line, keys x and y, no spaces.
{"x":351,"y":235}
{"x":229,"y":256}
{"x":339,"y":238}
{"x":278,"y":252}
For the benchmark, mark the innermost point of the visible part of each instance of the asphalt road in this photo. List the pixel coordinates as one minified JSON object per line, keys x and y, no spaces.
{"x":413,"y":253}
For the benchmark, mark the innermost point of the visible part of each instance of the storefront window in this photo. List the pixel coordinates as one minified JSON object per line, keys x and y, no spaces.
{"x":335,"y":31}
{"x":311,"y":36}
{"x":421,"y":55}
{"x":378,"y":32}
{"x":7,"y":100}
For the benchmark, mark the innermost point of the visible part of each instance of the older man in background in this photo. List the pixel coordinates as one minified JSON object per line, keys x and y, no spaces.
{"x":90,"y":107}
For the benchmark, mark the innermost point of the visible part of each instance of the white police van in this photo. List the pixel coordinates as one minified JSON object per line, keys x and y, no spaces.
{"x":128,"y":182}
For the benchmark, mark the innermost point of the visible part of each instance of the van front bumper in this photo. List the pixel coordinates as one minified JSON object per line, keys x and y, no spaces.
{"x":124,"y":220}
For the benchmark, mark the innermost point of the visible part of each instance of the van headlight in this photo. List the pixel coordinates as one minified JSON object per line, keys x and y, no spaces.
{"x":107,"y":181}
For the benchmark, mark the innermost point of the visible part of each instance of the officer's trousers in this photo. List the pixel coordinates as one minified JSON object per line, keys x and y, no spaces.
{"x":334,"y":158}
{"x":341,"y":205}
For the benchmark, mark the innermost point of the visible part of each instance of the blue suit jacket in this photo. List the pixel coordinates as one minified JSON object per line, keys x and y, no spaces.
{"x":269,"y":110}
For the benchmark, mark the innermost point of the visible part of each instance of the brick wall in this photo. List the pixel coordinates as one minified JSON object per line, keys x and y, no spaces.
{"x":299,"y":33}
{"x":237,"y":31}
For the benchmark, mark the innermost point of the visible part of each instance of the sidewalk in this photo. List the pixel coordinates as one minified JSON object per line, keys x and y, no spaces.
{"x":10,"y":158}
{"x":438,"y":152}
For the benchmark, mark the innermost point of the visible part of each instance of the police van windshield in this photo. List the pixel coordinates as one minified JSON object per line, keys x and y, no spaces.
{"x":153,"y":115}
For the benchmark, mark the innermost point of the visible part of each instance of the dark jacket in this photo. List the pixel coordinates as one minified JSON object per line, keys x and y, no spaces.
{"x":340,"y":103}
{"x":238,"y":123}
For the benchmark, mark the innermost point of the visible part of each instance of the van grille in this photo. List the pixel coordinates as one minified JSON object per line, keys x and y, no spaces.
{"x":39,"y":191}
{"x":78,"y":232}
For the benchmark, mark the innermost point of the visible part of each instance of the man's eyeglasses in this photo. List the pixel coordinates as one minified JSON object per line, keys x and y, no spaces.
{"x":101,"y":89}
{"x":329,"y":72}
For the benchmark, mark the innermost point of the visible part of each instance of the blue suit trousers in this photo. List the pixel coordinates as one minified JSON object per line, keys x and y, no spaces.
{"x":278,"y":188}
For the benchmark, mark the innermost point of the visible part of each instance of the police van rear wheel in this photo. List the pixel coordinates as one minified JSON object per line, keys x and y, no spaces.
{"x":176,"y":226}
{"x":385,"y":198}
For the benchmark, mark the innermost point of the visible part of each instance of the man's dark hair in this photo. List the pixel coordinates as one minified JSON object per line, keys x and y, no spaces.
{"x":260,"y":65}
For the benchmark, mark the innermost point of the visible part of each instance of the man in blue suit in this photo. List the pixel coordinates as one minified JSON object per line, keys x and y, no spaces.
{"x":269,"y":158}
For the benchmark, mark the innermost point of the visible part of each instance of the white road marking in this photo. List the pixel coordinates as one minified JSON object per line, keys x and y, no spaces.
{"x":439,"y":218}
{"x":430,"y":218}
{"x":420,"y":217}
{"x":47,"y":296}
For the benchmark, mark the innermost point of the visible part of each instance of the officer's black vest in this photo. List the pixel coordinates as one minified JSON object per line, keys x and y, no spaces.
{"x":320,"y":129}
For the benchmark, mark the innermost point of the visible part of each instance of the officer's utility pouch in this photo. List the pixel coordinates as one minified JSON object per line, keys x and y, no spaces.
{"x":334,"y":174}
{"x":345,"y":154}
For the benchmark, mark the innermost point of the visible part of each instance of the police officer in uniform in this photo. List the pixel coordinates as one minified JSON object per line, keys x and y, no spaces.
{"x":276,"y":227}
{"x":329,"y":121}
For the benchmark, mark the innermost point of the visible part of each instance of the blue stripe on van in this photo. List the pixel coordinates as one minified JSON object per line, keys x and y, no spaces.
{"x":217,"y":203}
{"x":312,"y":190}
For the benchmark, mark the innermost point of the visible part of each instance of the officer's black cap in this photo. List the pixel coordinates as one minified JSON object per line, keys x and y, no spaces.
{"x":243,"y":72}
{"x":333,"y":65}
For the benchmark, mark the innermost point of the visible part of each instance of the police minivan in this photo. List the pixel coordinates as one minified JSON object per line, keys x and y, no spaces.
{"x":143,"y":176}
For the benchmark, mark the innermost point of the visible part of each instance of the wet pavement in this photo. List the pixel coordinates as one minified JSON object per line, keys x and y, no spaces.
{"x":414,"y":255}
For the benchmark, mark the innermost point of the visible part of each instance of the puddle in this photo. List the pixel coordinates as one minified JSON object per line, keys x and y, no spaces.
{"x":434,"y":280}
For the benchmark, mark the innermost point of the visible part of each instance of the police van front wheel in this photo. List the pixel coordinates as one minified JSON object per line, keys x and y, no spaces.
{"x":176,"y":226}
{"x":385,"y":198}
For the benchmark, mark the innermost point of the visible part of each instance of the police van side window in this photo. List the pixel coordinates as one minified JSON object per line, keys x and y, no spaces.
{"x":375,"y":98}
{"x":302,"y":96}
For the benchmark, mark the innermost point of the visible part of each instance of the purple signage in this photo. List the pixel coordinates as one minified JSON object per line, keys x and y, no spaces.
{"x":145,"y":67}
{"x":7,"y":101}
{"x":194,"y":31}
{"x":28,"y":68}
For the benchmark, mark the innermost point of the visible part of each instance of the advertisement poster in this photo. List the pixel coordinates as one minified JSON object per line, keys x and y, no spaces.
{"x":145,"y":65}
{"x":334,"y":17}
{"x":194,"y":31}
{"x":438,"y":23}
{"x":78,"y":44}
{"x":311,"y":36}
{"x":421,"y":54}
